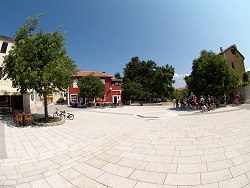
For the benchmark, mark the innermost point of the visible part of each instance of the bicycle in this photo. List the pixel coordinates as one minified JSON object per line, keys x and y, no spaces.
{"x":236,"y":102}
{"x":67,"y":115}
{"x":58,"y":114}
{"x":212,"y":106}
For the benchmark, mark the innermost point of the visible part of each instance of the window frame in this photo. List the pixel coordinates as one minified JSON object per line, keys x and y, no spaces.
{"x":233,"y":51}
{"x":75,"y":81}
{"x":233,"y":65}
{"x":4,"y":47}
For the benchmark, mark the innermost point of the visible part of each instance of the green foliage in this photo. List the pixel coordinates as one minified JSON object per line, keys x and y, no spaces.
{"x":244,"y":84}
{"x":180,"y":94}
{"x":38,"y":61}
{"x":145,"y":80}
{"x":118,"y":75}
{"x":211,"y":75}
{"x":245,"y":77}
{"x":91,"y":87}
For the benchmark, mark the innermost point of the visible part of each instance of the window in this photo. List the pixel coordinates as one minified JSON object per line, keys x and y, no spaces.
{"x":103,"y":81}
{"x":232,"y":63}
{"x":74,"y":98}
{"x":4,"y":47}
{"x":1,"y":69}
{"x":233,"y":51}
{"x":75,"y":84}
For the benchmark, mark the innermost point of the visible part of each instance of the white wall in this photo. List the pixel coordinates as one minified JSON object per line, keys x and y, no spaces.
{"x":10,"y":43}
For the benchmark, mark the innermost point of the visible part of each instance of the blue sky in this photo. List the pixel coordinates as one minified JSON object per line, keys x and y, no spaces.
{"x":103,"y":35}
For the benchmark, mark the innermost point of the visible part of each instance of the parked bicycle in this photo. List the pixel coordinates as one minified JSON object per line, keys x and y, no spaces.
{"x":236,"y":102}
{"x":58,"y":113}
{"x":67,"y":115}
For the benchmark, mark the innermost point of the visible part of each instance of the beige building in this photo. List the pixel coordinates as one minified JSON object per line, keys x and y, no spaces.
{"x":234,"y":59}
{"x":10,"y":98}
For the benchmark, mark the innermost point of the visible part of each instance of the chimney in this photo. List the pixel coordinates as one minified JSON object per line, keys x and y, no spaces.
{"x":235,"y":46}
{"x":103,"y":72}
{"x":221,"y":49}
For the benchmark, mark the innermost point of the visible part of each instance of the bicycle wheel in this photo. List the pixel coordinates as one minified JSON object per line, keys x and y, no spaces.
{"x":71,"y":116}
{"x":55,"y":115}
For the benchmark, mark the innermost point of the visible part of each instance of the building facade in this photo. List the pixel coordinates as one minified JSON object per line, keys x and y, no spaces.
{"x":10,"y":98}
{"x":112,"y":85}
{"x":234,"y":59}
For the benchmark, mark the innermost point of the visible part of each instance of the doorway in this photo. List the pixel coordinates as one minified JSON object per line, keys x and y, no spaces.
{"x":17,"y":102}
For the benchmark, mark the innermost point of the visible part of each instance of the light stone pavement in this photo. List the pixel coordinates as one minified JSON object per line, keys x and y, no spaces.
{"x":114,"y":147}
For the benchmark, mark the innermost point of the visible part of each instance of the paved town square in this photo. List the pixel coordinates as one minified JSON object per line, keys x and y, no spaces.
{"x":130,"y":147}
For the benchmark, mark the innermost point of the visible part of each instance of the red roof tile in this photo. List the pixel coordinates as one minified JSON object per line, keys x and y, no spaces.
{"x":99,"y":74}
{"x":181,"y":88}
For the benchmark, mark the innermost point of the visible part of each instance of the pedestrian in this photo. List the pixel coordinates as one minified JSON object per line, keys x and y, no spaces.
{"x":173,"y":102}
{"x":194,"y":101}
{"x":177,"y":102}
{"x":225,"y":99}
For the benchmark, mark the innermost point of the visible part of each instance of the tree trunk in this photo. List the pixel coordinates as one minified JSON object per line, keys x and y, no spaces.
{"x":45,"y":107}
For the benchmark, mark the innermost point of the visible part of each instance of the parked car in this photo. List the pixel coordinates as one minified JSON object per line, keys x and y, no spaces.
{"x":60,"y":100}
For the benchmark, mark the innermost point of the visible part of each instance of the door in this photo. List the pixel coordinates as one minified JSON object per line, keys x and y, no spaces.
{"x":115,"y":99}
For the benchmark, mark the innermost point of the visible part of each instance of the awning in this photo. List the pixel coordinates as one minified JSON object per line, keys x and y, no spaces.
{"x":8,"y":90}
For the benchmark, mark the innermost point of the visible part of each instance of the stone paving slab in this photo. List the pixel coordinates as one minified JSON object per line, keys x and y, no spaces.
{"x":113,"y":147}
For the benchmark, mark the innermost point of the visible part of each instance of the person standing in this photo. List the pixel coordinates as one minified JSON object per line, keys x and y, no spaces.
{"x":225,"y":99}
{"x":173,"y":102}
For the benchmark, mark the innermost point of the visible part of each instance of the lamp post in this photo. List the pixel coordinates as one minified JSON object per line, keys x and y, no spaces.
{"x":110,"y":89}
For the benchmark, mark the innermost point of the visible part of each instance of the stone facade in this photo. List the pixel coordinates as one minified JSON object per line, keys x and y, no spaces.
{"x":234,"y":59}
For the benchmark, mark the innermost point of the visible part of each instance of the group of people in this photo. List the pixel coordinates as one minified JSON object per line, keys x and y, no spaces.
{"x":195,"y":102}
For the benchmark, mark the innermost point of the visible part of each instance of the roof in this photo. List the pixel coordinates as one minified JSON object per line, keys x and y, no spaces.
{"x":232,"y":46}
{"x":116,"y":79}
{"x":7,"y":38}
{"x":181,"y":88}
{"x":86,"y":73}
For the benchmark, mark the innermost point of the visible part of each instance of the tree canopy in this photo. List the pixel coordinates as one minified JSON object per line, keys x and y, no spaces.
{"x":91,"y":87}
{"x":211,"y":75}
{"x":38,"y":61}
{"x":245,"y":79}
{"x":144,"y":80}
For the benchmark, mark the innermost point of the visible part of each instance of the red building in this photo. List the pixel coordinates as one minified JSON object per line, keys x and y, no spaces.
{"x":113,"y":88}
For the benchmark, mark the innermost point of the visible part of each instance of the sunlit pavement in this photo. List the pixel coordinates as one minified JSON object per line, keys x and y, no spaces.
{"x":131,"y":147}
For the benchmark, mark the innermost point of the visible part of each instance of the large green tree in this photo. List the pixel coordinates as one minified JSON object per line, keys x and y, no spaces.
{"x":91,"y":87}
{"x":144,"y":79}
{"x":211,"y":75}
{"x":38,"y":61}
{"x":163,"y":81}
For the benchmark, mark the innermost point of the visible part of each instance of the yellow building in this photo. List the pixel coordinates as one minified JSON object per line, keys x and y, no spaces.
{"x":234,"y":59}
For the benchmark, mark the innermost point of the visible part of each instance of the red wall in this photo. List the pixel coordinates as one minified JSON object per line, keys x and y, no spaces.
{"x":110,"y":96}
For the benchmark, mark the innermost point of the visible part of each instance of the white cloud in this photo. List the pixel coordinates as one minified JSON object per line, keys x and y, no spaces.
{"x":248,"y":69}
{"x":179,"y":81}
{"x":176,"y":75}
{"x":180,"y":75}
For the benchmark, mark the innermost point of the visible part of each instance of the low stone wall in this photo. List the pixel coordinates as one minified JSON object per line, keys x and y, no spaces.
{"x":62,"y":121}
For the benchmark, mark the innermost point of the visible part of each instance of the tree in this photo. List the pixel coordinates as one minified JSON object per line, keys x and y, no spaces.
{"x":183,"y":94}
{"x":133,"y":91}
{"x":245,"y":79}
{"x":211,"y":75}
{"x":163,"y":81}
{"x":38,"y":61}
{"x":150,"y":80}
{"x":118,"y":75}
{"x":91,"y":87}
